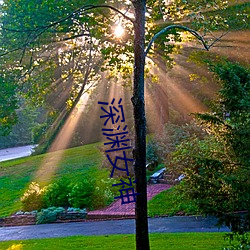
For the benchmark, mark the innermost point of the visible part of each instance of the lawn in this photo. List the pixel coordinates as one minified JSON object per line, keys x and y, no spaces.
{"x":16,"y":175}
{"x":169,"y":241}
{"x":170,"y":202}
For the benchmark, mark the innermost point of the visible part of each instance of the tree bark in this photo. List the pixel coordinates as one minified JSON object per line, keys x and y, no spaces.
{"x":139,"y":152}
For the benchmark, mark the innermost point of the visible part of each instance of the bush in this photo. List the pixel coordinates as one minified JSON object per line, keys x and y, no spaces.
{"x":81,"y":194}
{"x":57,"y":193}
{"x":243,"y":242}
{"x":64,"y":193}
{"x":104,"y":193}
{"x":48,"y":215}
{"x":33,"y":198}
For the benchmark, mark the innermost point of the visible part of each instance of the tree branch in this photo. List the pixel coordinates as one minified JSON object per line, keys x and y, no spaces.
{"x":87,"y":8}
{"x":42,"y":29}
{"x":74,"y":13}
{"x":218,"y":38}
{"x":193,"y":32}
{"x":112,"y":8}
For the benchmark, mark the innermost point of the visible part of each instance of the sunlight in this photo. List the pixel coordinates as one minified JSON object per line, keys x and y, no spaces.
{"x":119,"y":31}
{"x":168,"y":94}
{"x":15,"y":247}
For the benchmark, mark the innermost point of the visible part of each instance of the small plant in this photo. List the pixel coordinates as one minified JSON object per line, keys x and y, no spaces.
{"x":33,"y":197}
{"x":76,"y":210}
{"x":48,"y":215}
{"x":243,"y":242}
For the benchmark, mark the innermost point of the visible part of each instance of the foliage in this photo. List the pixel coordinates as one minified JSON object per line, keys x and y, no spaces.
{"x":32,"y":199}
{"x":48,"y":215}
{"x":56,"y":49}
{"x":243,"y":242}
{"x":73,"y":209}
{"x":56,"y":194}
{"x":161,"y":144}
{"x":205,"y":175}
{"x":81,"y":194}
{"x":237,"y":16}
{"x":104,"y":193}
{"x":86,"y":193}
{"x":216,"y":168}
{"x":8,"y":105}
{"x":22,"y":132}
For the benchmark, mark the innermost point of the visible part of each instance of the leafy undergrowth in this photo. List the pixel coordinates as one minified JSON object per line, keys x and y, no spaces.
{"x":172,"y":241}
{"x":170,"y":202}
{"x":74,"y":164}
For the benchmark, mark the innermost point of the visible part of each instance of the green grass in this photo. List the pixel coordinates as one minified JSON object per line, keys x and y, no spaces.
{"x":169,"y":202}
{"x":170,"y":241}
{"x":16,"y":175}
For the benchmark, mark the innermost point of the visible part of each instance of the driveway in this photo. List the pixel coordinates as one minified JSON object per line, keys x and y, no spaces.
{"x":14,"y":153}
{"x":156,"y":225}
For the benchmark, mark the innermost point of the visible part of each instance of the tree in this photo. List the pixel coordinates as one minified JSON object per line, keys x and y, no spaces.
{"x":8,"y":105}
{"x":73,"y":25}
{"x":217,"y":168}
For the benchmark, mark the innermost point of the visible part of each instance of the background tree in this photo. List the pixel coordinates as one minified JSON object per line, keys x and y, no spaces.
{"x":217,"y":168}
{"x":8,"y":105}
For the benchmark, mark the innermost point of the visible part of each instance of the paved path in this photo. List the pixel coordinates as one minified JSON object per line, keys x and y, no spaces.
{"x":14,"y":153}
{"x":156,"y":225}
{"x":116,"y":209}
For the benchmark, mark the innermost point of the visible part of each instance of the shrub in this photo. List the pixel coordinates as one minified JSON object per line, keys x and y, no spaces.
{"x":48,"y":215}
{"x":57,"y":193}
{"x":73,"y":209}
{"x":104,"y":193}
{"x":81,"y":194}
{"x":243,"y":242}
{"x":33,"y":198}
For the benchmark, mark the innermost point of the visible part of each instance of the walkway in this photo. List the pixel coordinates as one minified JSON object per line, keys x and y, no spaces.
{"x":117,"y":210}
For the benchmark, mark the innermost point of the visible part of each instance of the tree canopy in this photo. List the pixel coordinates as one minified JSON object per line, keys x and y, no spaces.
{"x":50,"y":43}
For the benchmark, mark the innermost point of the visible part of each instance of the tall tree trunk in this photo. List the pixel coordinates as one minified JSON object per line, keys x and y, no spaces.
{"x":139,"y":152}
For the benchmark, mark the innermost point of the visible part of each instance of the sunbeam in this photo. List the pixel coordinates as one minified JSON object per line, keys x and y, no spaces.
{"x":51,"y":161}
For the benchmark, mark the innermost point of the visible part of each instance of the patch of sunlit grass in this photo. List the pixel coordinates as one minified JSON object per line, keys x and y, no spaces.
{"x":158,"y":241}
